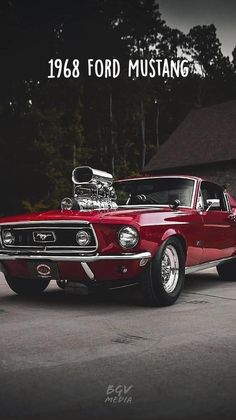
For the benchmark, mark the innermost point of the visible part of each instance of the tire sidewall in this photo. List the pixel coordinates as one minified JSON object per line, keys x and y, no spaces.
{"x":156,"y":283}
{"x":26,"y":287}
{"x":226,"y":270}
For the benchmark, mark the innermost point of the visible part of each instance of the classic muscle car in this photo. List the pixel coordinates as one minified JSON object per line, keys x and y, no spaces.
{"x":148,"y":231}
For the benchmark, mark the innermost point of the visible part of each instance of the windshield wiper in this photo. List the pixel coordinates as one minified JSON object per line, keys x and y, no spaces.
{"x":144,"y":198}
{"x":150,"y":200}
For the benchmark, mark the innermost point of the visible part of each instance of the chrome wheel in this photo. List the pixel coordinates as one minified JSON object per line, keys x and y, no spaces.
{"x":163,"y":279}
{"x":170,"y":268}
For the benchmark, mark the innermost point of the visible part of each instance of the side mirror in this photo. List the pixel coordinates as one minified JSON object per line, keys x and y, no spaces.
{"x":233,"y":208}
{"x":213,"y":203}
{"x":175,"y":204}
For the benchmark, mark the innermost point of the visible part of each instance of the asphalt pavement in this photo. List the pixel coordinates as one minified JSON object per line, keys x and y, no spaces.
{"x":107,"y":356}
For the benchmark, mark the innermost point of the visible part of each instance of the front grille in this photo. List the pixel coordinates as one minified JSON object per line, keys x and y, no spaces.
{"x":50,"y":237}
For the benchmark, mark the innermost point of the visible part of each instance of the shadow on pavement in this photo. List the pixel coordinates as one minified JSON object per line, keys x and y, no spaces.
{"x":203,"y":280}
{"x":126,"y":297}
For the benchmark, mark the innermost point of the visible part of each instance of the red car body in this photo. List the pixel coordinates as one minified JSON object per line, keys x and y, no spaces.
{"x":207,"y":237}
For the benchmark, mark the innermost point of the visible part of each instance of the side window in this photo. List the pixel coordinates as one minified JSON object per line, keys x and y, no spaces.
{"x":213,"y":197}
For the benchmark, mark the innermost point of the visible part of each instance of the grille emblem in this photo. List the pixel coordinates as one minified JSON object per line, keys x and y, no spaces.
{"x":43,"y":270}
{"x":44,"y":237}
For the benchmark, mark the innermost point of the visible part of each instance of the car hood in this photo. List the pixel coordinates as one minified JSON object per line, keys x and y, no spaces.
{"x":114,"y":216}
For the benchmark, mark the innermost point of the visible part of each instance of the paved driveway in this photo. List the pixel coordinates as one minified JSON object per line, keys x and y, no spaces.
{"x":109,"y":357}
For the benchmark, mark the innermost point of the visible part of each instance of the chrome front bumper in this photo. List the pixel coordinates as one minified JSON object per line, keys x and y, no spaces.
{"x":143,"y":258}
{"x":75,"y":258}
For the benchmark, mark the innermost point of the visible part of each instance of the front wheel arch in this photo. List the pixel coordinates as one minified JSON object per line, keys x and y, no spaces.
{"x":172,"y":233}
{"x":182,"y":240}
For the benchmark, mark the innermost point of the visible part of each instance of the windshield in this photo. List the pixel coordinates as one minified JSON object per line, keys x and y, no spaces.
{"x":151,"y":191}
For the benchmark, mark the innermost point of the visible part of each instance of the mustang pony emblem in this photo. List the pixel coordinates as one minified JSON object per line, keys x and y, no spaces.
{"x":44,"y":237}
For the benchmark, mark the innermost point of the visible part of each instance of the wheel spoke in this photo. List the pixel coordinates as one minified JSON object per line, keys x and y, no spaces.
{"x":170,"y":268}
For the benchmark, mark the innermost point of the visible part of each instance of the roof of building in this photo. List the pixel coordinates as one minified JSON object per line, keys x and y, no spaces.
{"x":206,"y":135}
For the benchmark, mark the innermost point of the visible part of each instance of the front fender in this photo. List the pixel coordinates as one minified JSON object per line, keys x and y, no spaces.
{"x":155,"y":236}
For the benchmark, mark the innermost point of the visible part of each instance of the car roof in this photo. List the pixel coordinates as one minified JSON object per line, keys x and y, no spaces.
{"x":139,"y":178}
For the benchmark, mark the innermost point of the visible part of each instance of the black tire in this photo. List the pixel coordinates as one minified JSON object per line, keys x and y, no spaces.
{"x":154,"y":291}
{"x":27,"y":287}
{"x":227,"y":270}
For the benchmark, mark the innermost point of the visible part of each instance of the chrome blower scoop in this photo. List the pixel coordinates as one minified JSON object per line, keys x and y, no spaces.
{"x":92,"y":190}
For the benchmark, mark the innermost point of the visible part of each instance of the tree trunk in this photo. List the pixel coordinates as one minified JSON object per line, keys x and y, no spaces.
{"x":112,"y":134}
{"x":143,"y":134}
{"x":101,"y":146}
{"x":157,"y":124}
{"x":74,"y":155}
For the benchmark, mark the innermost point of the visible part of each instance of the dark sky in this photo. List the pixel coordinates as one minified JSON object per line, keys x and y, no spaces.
{"x":184,"y":14}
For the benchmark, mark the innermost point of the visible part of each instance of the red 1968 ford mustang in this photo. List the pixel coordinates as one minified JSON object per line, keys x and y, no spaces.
{"x":148,"y":231}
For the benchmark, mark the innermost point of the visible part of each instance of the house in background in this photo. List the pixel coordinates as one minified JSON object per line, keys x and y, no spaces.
{"x":204,"y":145}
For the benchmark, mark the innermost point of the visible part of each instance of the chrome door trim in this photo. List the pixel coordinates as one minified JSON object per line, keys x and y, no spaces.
{"x":205,"y":266}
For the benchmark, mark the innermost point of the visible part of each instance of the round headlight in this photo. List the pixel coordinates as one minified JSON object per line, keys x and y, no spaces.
{"x":83,"y":238}
{"x":128,"y":237}
{"x":8,"y":238}
{"x":66,"y":203}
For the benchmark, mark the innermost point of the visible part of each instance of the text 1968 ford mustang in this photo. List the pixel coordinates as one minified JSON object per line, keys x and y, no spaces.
{"x":149,"y":230}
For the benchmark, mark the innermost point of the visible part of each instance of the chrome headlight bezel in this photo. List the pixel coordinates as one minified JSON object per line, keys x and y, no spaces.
{"x":67,"y":203}
{"x":128,"y":237}
{"x":83,"y":238}
{"x":11,"y":237}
